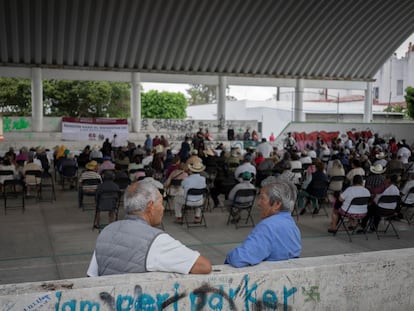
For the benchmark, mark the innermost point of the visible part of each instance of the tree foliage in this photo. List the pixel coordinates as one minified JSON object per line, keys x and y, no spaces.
{"x":163,"y":105}
{"x":87,"y":99}
{"x":200,"y":94}
{"x":15,"y":97}
{"x":77,"y":98}
{"x":409,"y":99}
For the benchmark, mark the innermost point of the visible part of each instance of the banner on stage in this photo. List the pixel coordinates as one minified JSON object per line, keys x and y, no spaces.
{"x":94,"y":129}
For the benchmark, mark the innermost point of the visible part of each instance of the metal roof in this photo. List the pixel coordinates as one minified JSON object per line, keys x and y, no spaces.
{"x":315,"y":39}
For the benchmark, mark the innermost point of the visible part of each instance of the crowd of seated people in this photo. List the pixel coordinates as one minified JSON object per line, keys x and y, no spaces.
{"x":17,"y":166}
{"x":373,"y":158}
{"x":370,"y":166}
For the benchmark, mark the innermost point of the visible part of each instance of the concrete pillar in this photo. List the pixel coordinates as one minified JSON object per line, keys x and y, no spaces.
{"x":368,"y":104}
{"x":135,"y":102}
{"x":37,"y":100}
{"x":221,"y":104}
{"x":298,"y":109}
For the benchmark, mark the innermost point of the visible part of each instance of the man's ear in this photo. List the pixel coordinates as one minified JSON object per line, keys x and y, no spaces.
{"x":277,"y":206}
{"x":150,"y":207}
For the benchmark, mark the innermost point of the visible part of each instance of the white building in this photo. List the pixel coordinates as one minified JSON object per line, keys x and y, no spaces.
{"x":393,"y":78}
{"x":322,"y":104}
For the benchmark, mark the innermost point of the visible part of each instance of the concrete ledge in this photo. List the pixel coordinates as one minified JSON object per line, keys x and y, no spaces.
{"x":365,"y":281}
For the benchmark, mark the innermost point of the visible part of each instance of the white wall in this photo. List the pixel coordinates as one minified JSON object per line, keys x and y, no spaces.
{"x":363,"y":281}
{"x":18,"y":131}
{"x":395,"y":69}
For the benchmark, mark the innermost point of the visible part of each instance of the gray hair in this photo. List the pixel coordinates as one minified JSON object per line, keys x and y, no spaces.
{"x":138,"y":195}
{"x":284,"y":192}
{"x":268,"y":180}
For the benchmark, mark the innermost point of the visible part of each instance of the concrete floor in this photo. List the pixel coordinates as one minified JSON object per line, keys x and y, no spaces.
{"x":55,"y":240}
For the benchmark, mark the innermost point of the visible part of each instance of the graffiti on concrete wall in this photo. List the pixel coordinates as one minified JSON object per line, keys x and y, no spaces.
{"x":177,"y":129}
{"x":246,"y":295}
{"x":304,"y":138}
{"x":15,"y":124}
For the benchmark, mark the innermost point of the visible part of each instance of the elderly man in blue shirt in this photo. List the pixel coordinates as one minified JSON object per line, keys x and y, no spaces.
{"x":276,"y":237}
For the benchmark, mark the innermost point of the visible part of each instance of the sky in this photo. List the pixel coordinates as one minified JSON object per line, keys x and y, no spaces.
{"x":248,"y":92}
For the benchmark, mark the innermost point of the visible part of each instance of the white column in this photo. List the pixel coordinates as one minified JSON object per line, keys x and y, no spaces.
{"x":221,"y":104}
{"x":298,"y":114}
{"x":368,"y":104}
{"x":135,"y":102}
{"x":37,"y":100}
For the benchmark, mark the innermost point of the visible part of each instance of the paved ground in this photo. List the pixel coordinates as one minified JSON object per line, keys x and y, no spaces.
{"x":55,"y":240}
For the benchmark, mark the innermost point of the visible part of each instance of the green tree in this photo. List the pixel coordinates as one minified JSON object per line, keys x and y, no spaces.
{"x":77,"y":98}
{"x":15,"y":97}
{"x":409,"y":99}
{"x":163,"y":105}
{"x":200,"y":94}
{"x":88,"y":99}
{"x":119,"y":106}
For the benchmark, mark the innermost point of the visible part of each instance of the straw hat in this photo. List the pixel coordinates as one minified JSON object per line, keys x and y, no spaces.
{"x":235,"y":152}
{"x":40,"y":150}
{"x":196,"y":167}
{"x":377,"y":169}
{"x":159,"y":149}
{"x":209,"y":152}
{"x":380,"y":155}
{"x":92,"y":165}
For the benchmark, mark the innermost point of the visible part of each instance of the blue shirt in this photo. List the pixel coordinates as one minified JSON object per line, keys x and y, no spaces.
{"x":275,"y":238}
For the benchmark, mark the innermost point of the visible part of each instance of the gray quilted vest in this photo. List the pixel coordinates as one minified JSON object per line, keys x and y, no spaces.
{"x":122,"y":247}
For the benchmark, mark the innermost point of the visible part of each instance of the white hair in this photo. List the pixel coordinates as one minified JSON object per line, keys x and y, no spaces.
{"x":138,"y":195}
{"x":284,"y":192}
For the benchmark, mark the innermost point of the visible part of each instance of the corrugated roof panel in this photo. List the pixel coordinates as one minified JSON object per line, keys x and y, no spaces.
{"x":192,"y":27}
{"x":278,"y":59}
{"x":235,"y":17}
{"x":138,"y":34}
{"x":340,"y":42}
{"x":381,"y":45}
{"x":116,"y":34}
{"x":125,"y":40}
{"x":38,"y":34}
{"x":342,"y":39}
{"x":72,"y":30}
{"x":49,"y":42}
{"x":269,"y":37}
{"x":3,"y":36}
{"x":359,"y":34}
{"x":83,"y":28}
{"x":219,"y":26}
{"x":250,"y":29}
{"x":304,"y":42}
{"x":195,"y":53}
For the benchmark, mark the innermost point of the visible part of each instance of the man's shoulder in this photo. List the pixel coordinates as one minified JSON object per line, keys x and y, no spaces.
{"x":279,"y":222}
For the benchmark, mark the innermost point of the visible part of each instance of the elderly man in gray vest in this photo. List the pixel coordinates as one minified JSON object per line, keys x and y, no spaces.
{"x":134,"y":245}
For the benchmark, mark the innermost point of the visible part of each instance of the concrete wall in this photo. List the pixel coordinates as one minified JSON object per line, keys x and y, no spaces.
{"x":365,"y":281}
{"x":386,"y":130}
{"x":18,"y":131}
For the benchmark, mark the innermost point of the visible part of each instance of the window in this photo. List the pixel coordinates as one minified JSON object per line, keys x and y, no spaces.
{"x":376,"y":92}
{"x":400,"y":87}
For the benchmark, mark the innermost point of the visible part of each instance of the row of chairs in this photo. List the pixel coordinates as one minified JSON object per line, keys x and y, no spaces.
{"x":242,"y":208}
{"x":346,"y":220}
{"x":14,"y":191}
{"x":321,"y":203}
{"x":108,"y":201}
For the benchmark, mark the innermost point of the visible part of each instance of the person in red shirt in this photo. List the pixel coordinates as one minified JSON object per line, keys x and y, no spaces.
{"x":258,"y":159}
